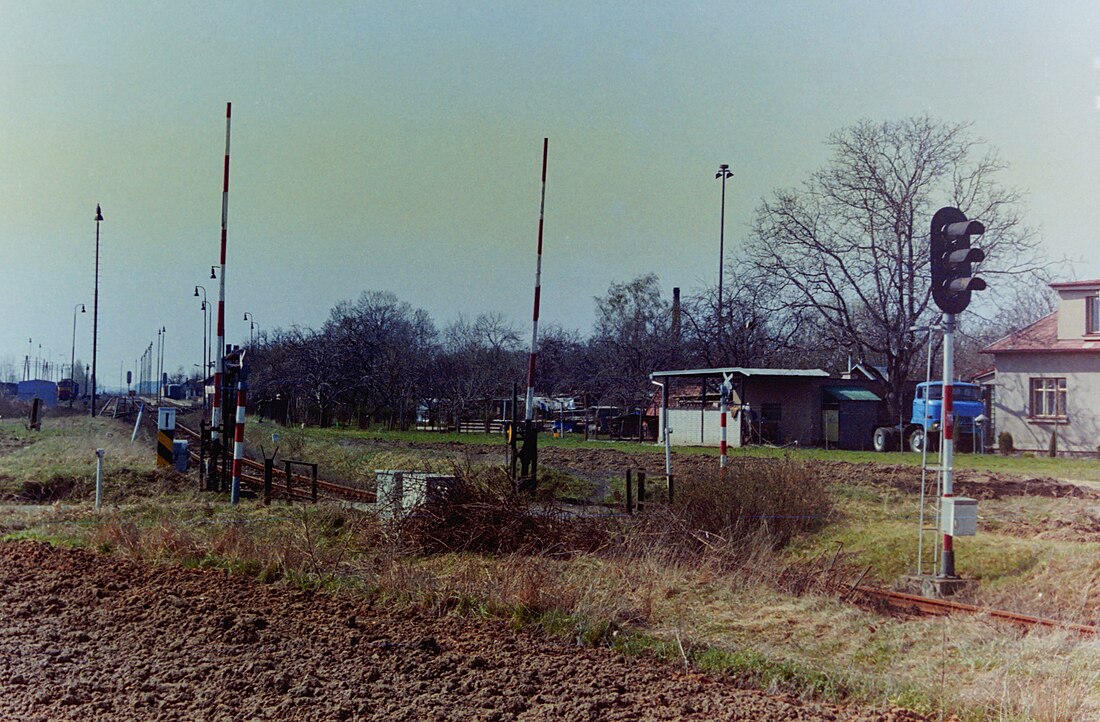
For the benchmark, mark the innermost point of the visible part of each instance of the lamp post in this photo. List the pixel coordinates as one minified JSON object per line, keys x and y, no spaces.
{"x":72,"y":356}
{"x":251,"y":327}
{"x":723,"y":173}
{"x":161,"y":333}
{"x":202,"y":373}
{"x":95,"y":304}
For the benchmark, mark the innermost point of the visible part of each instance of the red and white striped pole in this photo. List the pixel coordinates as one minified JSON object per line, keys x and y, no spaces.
{"x":238,"y":433}
{"x":529,"y":414}
{"x":947,"y":426}
{"x":724,"y":404}
{"x":219,"y":350}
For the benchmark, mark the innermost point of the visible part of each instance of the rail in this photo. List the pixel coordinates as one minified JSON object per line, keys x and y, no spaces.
{"x":942,"y":607}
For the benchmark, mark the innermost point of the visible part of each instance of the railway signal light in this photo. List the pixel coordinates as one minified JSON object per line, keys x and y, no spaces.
{"x":952,"y":258}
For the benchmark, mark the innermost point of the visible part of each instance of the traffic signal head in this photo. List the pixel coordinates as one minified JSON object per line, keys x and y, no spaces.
{"x":951,"y":257}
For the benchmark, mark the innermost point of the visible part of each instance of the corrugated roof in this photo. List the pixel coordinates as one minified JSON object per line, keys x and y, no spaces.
{"x":850,"y":393}
{"x":1042,"y":337}
{"x":741,"y":371}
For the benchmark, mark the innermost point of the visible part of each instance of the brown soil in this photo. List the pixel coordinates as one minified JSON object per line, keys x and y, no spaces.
{"x":86,"y":636}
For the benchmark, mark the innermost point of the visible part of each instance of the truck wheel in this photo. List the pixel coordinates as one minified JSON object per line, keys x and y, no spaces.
{"x":883,"y":439}
{"x":916,"y":440}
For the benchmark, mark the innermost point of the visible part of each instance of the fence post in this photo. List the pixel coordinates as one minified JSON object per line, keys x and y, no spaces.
{"x":202,"y":455}
{"x":671,"y":488}
{"x":288,"y":478}
{"x":98,"y":478}
{"x":269,"y":473}
{"x":629,"y":493}
{"x":641,"y":491}
{"x":313,"y":483}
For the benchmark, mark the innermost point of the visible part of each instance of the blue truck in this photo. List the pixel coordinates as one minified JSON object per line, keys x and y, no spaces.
{"x":925,"y":423}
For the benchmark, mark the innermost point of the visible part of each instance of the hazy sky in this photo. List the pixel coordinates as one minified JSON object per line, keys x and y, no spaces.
{"x":397,"y":146}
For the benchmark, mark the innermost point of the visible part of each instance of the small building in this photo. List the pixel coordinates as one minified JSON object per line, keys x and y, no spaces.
{"x":1047,"y":376}
{"x":849,"y":416}
{"x":38,"y":389}
{"x":804,"y":407}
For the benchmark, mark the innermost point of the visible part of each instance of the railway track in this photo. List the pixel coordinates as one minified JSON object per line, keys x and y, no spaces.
{"x":941,"y":607}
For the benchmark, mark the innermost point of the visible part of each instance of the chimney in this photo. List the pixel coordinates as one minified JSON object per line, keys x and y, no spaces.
{"x":676,"y":316}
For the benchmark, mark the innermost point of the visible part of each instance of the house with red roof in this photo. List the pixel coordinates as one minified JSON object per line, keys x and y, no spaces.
{"x":1048,"y":375}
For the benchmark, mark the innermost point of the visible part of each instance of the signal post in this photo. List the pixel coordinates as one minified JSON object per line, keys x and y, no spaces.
{"x":951,"y":259}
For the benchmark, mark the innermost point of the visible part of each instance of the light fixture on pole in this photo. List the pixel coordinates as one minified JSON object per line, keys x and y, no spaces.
{"x":251,"y":327}
{"x":161,"y":333}
{"x":72,"y":357}
{"x":723,"y":173}
{"x":95,"y":304}
{"x":204,"y":367}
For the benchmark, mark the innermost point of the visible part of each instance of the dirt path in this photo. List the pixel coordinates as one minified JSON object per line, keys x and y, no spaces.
{"x":85,"y":636}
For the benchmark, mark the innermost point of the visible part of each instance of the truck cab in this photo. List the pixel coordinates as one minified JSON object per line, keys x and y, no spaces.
{"x":926,"y":421}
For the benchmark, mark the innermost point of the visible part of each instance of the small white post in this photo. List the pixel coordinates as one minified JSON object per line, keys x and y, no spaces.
{"x":137,"y":424}
{"x":98,"y":478}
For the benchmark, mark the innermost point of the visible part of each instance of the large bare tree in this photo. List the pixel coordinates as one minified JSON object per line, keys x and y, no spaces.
{"x":851,"y":243}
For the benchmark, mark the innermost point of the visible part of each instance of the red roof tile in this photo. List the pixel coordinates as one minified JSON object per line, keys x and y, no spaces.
{"x":1042,"y":337}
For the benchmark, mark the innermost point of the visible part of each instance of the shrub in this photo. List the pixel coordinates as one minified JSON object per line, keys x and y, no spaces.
{"x":483,"y":514}
{"x":1005,"y":443}
{"x":779,"y":498}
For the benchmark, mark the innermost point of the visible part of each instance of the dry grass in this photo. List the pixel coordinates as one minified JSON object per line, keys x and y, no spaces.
{"x":708,"y":583}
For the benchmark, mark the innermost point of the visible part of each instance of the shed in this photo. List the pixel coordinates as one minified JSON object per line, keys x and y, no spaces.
{"x":776,"y":406}
{"x":849,"y":415}
{"x":38,"y":388}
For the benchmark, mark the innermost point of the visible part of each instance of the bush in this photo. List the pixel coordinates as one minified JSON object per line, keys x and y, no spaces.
{"x":778,"y":498}
{"x":1005,"y":443}
{"x":482,"y":514}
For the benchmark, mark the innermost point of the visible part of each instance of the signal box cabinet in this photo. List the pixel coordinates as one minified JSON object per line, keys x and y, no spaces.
{"x":959,"y":516}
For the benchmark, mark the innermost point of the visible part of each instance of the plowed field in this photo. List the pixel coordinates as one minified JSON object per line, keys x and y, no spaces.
{"x":85,"y":636}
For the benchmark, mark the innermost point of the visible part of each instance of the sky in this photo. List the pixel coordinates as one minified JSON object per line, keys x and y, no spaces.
{"x":397,"y":146}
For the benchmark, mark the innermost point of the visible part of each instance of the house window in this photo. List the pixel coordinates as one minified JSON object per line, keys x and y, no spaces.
{"x":1092,"y":314}
{"x":1048,"y":398}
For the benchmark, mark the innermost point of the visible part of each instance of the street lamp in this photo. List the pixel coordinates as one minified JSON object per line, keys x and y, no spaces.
{"x":251,"y":327}
{"x":202,"y":373}
{"x":72,"y":357}
{"x":95,"y":303}
{"x":161,"y":333}
{"x":723,"y":173}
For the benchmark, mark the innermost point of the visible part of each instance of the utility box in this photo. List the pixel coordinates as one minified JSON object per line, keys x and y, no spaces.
{"x":400,"y":492}
{"x":959,"y":516}
{"x":181,"y":455}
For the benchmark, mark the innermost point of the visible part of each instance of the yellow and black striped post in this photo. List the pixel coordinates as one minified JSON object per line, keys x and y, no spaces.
{"x":166,"y":432}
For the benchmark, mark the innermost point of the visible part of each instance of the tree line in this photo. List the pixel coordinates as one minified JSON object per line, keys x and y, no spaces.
{"x":833,"y":271}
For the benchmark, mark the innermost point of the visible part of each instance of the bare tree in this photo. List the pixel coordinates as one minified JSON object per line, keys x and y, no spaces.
{"x":478,"y":360}
{"x":632,"y":338}
{"x":851,"y":244}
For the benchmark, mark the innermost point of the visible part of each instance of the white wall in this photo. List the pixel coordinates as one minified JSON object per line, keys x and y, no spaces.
{"x":1081,"y":432}
{"x":685,"y":427}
